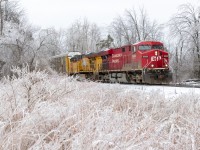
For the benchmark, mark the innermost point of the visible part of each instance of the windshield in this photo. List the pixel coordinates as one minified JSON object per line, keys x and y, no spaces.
{"x":144,"y":47}
{"x":149,"y":47}
{"x":157,"y":47}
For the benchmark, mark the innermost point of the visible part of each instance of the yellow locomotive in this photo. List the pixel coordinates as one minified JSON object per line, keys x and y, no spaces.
{"x":75,"y":63}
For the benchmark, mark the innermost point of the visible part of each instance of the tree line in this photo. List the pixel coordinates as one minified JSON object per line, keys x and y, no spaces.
{"x":24,"y":44}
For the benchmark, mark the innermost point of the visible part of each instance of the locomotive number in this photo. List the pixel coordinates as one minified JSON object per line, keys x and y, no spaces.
{"x":155,"y":58}
{"x":115,"y":61}
{"x":116,"y":55}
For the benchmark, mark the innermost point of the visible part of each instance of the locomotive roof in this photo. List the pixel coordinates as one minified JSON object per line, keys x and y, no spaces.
{"x":76,"y":57}
{"x":70,"y":54}
{"x":89,"y":55}
{"x":106,"y":52}
{"x":148,"y":43}
{"x":60,"y":55}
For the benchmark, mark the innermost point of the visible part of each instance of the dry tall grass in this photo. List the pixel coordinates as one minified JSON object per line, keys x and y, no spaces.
{"x":38,"y":111}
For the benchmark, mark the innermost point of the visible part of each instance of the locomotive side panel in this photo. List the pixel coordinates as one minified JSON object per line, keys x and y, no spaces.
{"x":126,"y":58}
{"x":85,"y":64}
{"x":115,"y":62}
{"x":98,"y":63}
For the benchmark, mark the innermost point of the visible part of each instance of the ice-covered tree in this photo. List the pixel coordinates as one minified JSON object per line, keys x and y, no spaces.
{"x":25,"y":44}
{"x":9,"y":12}
{"x":82,"y":37}
{"x":185,"y":31}
{"x":12,"y":29}
{"x":47,"y":43}
{"x":134,"y":26}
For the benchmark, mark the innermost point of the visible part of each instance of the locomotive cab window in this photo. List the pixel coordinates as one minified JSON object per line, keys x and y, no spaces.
{"x":123,"y":49}
{"x":144,"y":47}
{"x":158,"y":47}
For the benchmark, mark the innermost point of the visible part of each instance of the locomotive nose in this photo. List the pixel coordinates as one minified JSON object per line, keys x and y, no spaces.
{"x":155,"y":59}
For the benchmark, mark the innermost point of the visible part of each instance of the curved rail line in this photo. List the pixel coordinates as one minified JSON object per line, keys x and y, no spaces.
{"x":183,"y":85}
{"x":167,"y":85}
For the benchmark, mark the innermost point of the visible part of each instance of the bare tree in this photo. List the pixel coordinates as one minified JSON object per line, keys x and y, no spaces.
{"x":133,"y":27}
{"x":82,"y":37}
{"x":94,"y":37}
{"x":185,"y":28}
{"x":120,"y":30}
{"x":29,"y":45}
{"x":9,"y":12}
{"x":47,"y":43}
{"x":13,"y":12}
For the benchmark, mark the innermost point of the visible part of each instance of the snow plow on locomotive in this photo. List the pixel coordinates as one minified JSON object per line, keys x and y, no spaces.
{"x":143,"y":62}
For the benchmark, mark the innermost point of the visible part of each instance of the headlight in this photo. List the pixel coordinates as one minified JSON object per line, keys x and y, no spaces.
{"x":152,"y":65}
{"x":166,"y":65}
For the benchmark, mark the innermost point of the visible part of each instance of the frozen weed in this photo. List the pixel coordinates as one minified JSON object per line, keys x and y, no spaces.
{"x":39,"y":111}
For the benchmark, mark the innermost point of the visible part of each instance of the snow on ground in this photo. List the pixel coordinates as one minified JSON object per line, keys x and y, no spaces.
{"x":38,"y":111}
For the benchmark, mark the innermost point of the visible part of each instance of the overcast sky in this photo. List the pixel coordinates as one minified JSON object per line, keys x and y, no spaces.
{"x":62,"y":13}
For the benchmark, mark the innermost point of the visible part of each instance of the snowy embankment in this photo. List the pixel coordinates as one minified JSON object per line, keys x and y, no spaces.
{"x":38,"y":111}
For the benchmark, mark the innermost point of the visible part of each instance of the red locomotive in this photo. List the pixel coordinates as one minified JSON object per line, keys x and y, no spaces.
{"x":143,"y":62}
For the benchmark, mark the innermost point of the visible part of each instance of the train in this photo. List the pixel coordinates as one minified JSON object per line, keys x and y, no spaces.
{"x":144,"y":62}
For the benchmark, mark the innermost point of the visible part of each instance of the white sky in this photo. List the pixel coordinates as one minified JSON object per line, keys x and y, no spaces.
{"x":62,"y":13}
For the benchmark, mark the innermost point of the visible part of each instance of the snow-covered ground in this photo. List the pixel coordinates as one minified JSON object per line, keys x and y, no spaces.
{"x":38,"y":111}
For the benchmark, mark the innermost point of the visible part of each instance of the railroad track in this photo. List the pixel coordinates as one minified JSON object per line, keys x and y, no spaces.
{"x":167,"y":85}
{"x":184,"y":85}
{"x":174,"y":85}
